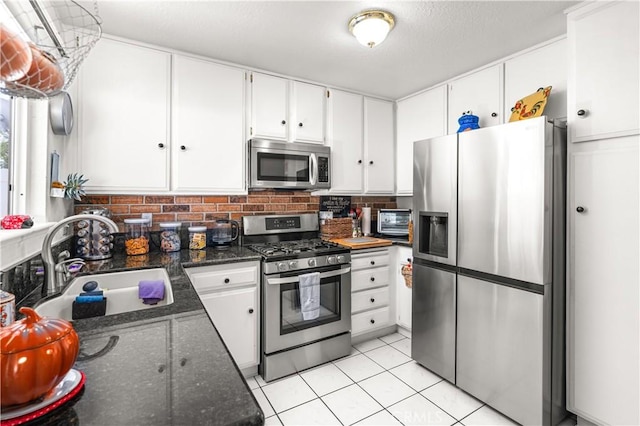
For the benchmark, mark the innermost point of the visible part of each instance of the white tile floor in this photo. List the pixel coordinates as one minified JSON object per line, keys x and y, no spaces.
{"x":378,"y":384}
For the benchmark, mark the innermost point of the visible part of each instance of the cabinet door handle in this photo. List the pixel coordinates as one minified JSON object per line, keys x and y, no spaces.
{"x":250,"y":310}
{"x":371,"y":162}
{"x":299,"y":124}
{"x":161,"y":368}
{"x":226,"y":280}
{"x":580,"y":209}
{"x":283,"y":122}
{"x":183,"y":148}
{"x":160,"y":145}
{"x":373,"y":262}
{"x":372,"y":279}
{"x":582,"y":112}
{"x":494,"y":114}
{"x":183,"y":362}
{"x":372,"y":321}
{"x":373,"y":300}
{"x":359,"y":161}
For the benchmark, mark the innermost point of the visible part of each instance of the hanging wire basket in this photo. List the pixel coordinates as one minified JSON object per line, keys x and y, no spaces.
{"x":42,"y":44}
{"x":407,"y":272}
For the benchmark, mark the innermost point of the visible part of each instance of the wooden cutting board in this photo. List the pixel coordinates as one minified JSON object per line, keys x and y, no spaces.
{"x":361,"y":242}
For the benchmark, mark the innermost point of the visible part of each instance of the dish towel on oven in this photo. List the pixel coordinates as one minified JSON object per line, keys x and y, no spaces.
{"x":310,"y":295}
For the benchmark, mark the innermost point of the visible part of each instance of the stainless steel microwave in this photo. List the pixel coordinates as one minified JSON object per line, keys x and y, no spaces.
{"x":288,"y":165}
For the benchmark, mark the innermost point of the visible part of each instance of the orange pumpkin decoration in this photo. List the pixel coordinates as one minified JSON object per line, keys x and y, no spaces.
{"x":35,"y":355}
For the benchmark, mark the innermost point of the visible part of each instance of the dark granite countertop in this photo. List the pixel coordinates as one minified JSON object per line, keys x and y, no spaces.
{"x":161,"y":366}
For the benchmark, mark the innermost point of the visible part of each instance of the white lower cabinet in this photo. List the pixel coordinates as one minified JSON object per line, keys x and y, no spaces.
{"x":370,"y":321}
{"x":403,"y":293}
{"x":371,"y":304}
{"x":603,"y":308}
{"x":230,"y":296}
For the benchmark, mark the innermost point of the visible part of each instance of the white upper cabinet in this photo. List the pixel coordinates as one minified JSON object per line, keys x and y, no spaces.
{"x":378,"y":146}
{"x":480,"y":93}
{"x":269,"y":107}
{"x":419,"y":117}
{"x":207,"y":127}
{"x":604,"y":76}
{"x":287,"y":110}
{"x":345,"y":134}
{"x":307,"y":112}
{"x":542,"y":67}
{"x":123,"y":118}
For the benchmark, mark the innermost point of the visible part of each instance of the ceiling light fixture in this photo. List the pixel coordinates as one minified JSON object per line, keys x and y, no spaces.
{"x":371,"y":27}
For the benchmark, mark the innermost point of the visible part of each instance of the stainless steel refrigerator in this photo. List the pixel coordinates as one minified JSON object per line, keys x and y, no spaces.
{"x":489,"y":258}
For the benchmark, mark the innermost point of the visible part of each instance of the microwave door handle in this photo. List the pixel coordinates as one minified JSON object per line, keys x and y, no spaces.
{"x":296,"y":279}
{"x":313,"y":169}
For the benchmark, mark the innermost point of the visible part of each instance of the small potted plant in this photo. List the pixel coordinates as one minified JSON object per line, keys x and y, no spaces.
{"x":73,"y":186}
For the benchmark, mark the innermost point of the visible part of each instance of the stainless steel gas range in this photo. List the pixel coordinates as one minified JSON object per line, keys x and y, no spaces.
{"x":305,"y":293}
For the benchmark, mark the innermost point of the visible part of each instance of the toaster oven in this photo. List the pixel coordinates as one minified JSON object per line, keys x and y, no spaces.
{"x":394,"y":222}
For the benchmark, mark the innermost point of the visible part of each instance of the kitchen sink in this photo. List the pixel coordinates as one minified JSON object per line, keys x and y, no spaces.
{"x":120,"y":289}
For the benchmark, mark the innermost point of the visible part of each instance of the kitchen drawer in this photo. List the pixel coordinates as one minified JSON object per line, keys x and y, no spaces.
{"x":221,"y":277}
{"x":369,"y":320}
{"x":369,"y":299}
{"x":369,"y":260}
{"x":371,"y":278}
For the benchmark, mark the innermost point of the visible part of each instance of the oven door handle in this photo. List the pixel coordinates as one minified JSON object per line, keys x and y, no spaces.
{"x":296,"y":279}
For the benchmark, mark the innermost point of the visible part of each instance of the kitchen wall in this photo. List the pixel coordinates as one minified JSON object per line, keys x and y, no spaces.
{"x":203,"y":209}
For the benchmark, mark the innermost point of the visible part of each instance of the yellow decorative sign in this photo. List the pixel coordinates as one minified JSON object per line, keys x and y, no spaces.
{"x":530,"y":106}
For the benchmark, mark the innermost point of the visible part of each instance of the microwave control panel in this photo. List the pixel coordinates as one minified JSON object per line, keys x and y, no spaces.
{"x":323,"y":169}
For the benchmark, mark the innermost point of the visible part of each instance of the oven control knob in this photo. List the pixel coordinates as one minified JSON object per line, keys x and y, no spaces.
{"x":312,"y":262}
{"x":341,"y":258}
{"x":293,"y":264}
{"x":282,"y":266}
{"x":332,"y":260}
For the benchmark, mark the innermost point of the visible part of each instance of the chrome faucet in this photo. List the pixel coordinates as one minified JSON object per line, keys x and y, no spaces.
{"x":57,"y":274}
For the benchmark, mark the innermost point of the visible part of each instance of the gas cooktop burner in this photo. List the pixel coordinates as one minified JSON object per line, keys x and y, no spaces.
{"x":281,"y":248}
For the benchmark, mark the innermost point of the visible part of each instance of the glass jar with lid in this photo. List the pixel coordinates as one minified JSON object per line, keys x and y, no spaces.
{"x":137,"y":238}
{"x":170,"y":236}
{"x":197,"y":237}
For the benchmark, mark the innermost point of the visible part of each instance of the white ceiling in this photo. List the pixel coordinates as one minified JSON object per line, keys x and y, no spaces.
{"x":432,"y":40}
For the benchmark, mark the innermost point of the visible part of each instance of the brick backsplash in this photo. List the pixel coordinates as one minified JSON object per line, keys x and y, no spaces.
{"x":203,"y":209}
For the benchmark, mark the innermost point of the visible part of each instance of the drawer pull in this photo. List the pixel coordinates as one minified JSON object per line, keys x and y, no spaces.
{"x":250,"y":310}
{"x":373,"y":279}
{"x":183,"y":362}
{"x":373,"y":300}
{"x":373,"y":262}
{"x":373,"y":321}
{"x":226,"y":280}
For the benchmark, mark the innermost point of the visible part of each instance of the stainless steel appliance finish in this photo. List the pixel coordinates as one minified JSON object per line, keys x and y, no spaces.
{"x":434,"y":303}
{"x":290,"y":248}
{"x":286,"y":165}
{"x":280,"y":224}
{"x":435,"y":195}
{"x":500,"y":335}
{"x":282,"y":290}
{"x":394,"y":222}
{"x":504,"y":225}
{"x":509,"y":334}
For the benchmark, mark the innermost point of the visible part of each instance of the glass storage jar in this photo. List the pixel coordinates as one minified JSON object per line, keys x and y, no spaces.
{"x":197,"y":237}
{"x":137,"y":238}
{"x":170,"y":236}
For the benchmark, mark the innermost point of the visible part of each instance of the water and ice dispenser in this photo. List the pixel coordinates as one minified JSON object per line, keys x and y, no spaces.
{"x":434,"y":234}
